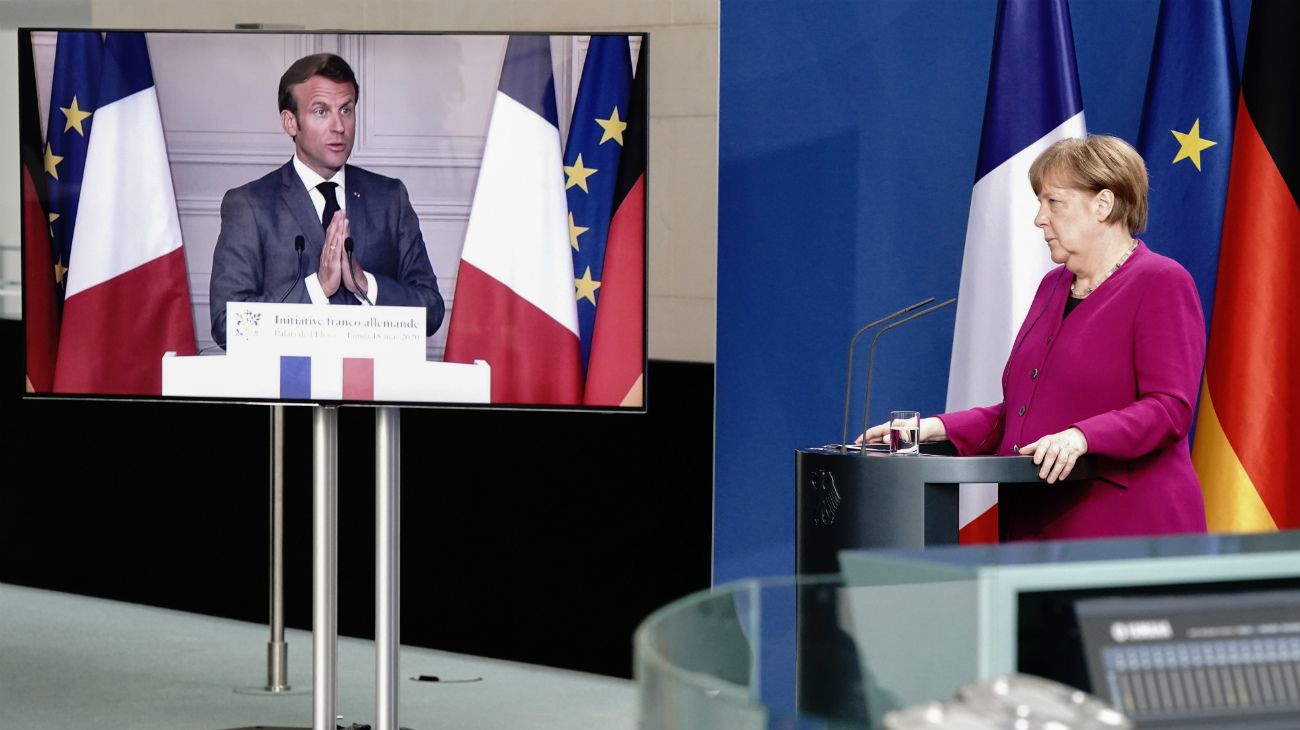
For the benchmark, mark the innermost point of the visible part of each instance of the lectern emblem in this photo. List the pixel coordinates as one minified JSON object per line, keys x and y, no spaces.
{"x":246,"y":323}
{"x":826,"y":498}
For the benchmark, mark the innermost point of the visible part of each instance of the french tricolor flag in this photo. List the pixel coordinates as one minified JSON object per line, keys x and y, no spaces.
{"x":128,"y":296}
{"x":352,"y":379}
{"x":514,"y":304}
{"x":1033,"y":101}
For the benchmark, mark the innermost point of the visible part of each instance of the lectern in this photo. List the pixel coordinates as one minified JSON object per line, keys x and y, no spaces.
{"x":850,"y":500}
{"x":874,"y":499}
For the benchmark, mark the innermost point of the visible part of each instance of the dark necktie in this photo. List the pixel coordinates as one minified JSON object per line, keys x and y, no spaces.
{"x":331,"y":203}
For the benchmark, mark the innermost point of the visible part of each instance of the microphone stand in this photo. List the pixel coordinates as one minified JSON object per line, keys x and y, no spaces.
{"x":848,"y":378}
{"x":347,"y":246}
{"x":871,"y":355}
{"x":299,"y":244}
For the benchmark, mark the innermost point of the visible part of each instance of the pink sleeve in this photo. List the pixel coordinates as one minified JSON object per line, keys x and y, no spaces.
{"x":1168,"y":355}
{"x":974,"y":431}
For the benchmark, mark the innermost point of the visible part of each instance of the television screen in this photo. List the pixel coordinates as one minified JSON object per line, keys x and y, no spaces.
{"x":434,"y":218}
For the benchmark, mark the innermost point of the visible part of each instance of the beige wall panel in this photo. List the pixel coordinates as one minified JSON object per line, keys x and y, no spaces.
{"x":682,"y":328}
{"x":224,"y":14}
{"x":683,"y":205}
{"x":439,"y":109}
{"x":684,"y":73}
{"x":601,"y":14}
{"x":696,"y":12}
{"x":200,"y":223}
{"x":44,"y":13}
{"x":217,"y":93}
{"x":407,"y":14}
{"x":424,"y":15}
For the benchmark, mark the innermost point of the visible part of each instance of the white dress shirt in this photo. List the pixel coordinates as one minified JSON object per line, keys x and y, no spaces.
{"x":311,"y":179}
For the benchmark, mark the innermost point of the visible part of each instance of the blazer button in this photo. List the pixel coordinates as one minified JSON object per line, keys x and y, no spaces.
{"x":1021,"y":411}
{"x":1034,"y":374}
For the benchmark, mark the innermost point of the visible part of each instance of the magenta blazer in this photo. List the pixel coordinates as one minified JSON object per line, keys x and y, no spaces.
{"x":1125,"y":368}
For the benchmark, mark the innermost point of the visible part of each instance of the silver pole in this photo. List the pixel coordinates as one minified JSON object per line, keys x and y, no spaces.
{"x":388,"y":461}
{"x":324,"y":597}
{"x":277,"y":651}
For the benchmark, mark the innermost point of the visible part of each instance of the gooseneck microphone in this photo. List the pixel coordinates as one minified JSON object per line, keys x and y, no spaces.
{"x":299,"y":245}
{"x":848,"y":378}
{"x":871,"y":356}
{"x":352,"y":269}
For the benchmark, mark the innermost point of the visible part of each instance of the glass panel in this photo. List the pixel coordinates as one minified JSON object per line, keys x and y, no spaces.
{"x":802,"y":654}
{"x":914,"y":626}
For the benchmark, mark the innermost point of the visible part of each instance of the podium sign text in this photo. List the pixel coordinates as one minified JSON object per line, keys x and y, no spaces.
{"x":258,"y":328}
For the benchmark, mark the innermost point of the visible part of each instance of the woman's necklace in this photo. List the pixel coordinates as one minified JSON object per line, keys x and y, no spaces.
{"x":1104,"y":277}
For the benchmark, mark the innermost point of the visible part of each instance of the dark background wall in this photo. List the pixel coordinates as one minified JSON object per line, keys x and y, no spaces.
{"x":848,"y":136}
{"x":536,"y":537}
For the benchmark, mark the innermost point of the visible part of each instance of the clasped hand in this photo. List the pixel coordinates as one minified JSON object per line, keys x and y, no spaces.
{"x":333,"y":269}
{"x":1057,"y":453}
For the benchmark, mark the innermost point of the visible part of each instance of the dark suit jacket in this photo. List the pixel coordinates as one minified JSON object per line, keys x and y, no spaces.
{"x":255,"y":261}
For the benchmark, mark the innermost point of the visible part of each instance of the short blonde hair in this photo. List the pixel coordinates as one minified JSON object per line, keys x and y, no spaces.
{"x":1097,"y":163}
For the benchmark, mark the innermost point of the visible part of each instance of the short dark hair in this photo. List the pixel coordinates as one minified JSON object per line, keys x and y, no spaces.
{"x":327,"y":65}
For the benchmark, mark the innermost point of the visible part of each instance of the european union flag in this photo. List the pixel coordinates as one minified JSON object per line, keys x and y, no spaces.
{"x":1186,"y":136}
{"x":74,"y":97}
{"x":591,"y":159}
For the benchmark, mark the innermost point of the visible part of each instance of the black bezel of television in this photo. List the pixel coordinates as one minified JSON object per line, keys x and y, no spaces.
{"x":640,"y":44}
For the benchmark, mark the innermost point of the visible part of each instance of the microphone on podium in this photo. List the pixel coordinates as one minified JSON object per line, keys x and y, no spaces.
{"x":299,"y":244}
{"x":347,"y":246}
{"x":848,"y":379}
{"x":871,"y":354}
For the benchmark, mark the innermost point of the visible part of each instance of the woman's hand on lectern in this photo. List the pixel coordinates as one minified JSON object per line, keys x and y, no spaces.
{"x":1056,"y":453}
{"x":932,"y":429}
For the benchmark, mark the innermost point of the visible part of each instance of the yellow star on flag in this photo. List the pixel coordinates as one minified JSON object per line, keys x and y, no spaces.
{"x":1191,"y":144}
{"x":75,"y":117}
{"x":60,"y":271}
{"x":51,"y":160}
{"x":613,"y":128}
{"x":575,"y":231}
{"x":587,"y":287}
{"x":577,"y":175}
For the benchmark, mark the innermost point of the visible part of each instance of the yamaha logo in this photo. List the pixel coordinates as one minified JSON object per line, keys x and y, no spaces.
{"x":1124,"y":631}
{"x":826,"y":496}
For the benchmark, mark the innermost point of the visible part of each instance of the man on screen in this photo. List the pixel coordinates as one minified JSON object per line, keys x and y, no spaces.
{"x":284,"y":237}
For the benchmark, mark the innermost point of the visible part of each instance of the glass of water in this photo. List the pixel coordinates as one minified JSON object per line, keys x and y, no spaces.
{"x":904,"y":432}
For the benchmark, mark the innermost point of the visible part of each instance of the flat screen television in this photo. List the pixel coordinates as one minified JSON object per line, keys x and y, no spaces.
{"x":479,"y":240}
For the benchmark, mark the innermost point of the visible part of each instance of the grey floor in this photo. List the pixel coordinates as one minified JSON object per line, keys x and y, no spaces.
{"x":75,"y":662}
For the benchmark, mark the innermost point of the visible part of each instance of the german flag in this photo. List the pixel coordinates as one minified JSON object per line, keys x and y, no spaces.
{"x":615,"y":374}
{"x":1245,"y":450}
